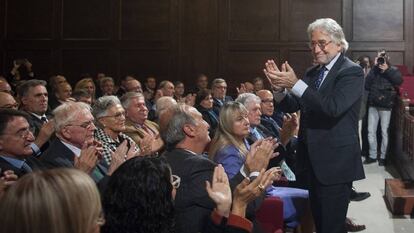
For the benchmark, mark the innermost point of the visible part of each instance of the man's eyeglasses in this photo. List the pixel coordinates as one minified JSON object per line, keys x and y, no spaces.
{"x":23,"y":133}
{"x":176,"y":180}
{"x":320,"y":44}
{"x":85,"y":125}
{"x":267,"y":101}
{"x":10,"y":106}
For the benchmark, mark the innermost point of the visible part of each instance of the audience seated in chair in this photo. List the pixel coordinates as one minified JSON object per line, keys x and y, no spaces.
{"x":186,"y":135}
{"x":143,"y":131}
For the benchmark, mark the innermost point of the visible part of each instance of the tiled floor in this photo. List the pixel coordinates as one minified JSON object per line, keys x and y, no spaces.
{"x":373,"y":211}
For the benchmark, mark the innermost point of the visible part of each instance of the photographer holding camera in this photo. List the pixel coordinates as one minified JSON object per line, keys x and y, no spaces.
{"x":380,"y":83}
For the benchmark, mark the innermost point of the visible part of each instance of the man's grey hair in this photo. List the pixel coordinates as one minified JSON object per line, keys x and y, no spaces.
{"x":247,"y":99}
{"x":332,"y":28}
{"x":126,"y":98}
{"x":68,"y":112}
{"x":164,"y":103}
{"x":23,"y":88}
{"x":102,"y":104}
{"x":217,"y":81}
{"x":179,"y":116}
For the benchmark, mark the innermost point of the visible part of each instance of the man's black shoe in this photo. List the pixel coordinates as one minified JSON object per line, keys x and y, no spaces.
{"x":351,"y":226}
{"x":368,"y":160}
{"x":359,"y":196}
{"x":381,"y":162}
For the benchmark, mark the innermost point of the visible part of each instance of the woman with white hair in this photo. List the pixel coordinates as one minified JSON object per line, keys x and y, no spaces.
{"x":110,"y":120}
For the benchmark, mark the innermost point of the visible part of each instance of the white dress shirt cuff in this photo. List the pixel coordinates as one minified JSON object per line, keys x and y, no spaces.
{"x":299,"y":88}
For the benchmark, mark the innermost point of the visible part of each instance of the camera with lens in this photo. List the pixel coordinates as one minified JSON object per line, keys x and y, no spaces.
{"x":382,"y":58}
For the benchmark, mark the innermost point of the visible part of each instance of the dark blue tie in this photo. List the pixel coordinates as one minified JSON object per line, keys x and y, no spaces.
{"x":318,"y":81}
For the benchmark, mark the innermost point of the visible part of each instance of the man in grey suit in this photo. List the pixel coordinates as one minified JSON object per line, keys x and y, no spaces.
{"x":329,"y":97}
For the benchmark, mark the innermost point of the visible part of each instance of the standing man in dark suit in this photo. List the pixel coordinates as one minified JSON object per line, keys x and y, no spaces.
{"x":34,"y":100}
{"x":329,"y":97}
{"x":15,"y":141}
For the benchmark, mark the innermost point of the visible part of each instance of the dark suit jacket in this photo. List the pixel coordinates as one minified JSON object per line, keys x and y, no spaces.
{"x":193,"y":206}
{"x":212,"y":122}
{"x":270,"y":126}
{"x":37,"y":124}
{"x":217,"y":104}
{"x":328,"y":135}
{"x":285,"y":153}
{"x":59,"y":155}
{"x":33,"y":163}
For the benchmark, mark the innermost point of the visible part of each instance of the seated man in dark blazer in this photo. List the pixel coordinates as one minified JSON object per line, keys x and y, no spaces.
{"x":219,"y":90}
{"x":74,"y":146}
{"x":15,"y":141}
{"x":34,"y":100}
{"x":186,"y":135}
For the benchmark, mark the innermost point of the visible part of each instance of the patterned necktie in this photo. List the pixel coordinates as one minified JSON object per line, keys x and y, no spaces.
{"x":318,"y":81}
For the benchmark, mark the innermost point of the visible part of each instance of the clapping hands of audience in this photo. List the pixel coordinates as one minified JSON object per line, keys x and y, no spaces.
{"x":145,"y":144}
{"x":122,"y":153}
{"x":219,"y":191}
{"x":259,"y":155}
{"x":6,"y":179}
{"x":47,"y":130}
{"x":248,"y":190}
{"x":242,"y":89}
{"x":290,"y":127}
{"x":89,"y":157}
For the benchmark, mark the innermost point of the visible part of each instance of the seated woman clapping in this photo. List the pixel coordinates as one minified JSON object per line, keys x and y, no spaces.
{"x":230,"y":148}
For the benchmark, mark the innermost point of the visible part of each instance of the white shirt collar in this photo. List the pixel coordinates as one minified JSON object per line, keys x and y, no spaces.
{"x":38,"y":116}
{"x":332,"y":63}
{"x":73,"y":148}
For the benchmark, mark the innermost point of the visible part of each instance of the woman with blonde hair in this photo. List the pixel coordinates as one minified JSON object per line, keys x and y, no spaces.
{"x":88,"y":85}
{"x":230,"y":148}
{"x":58,"y":200}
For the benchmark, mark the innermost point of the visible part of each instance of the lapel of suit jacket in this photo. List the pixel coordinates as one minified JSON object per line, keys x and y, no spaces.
{"x":332,"y":73}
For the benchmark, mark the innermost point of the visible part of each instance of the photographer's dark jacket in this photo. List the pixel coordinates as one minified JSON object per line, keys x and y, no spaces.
{"x":381,"y":86}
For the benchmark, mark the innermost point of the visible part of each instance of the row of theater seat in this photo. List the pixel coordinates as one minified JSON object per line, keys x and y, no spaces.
{"x":406,"y":89}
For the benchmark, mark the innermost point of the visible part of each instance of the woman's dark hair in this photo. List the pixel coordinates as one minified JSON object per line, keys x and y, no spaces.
{"x":201,"y":95}
{"x":138,"y":197}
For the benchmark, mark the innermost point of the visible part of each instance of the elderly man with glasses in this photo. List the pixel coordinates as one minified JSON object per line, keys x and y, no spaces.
{"x":15,"y":140}
{"x":75,"y":146}
{"x":329,"y":97}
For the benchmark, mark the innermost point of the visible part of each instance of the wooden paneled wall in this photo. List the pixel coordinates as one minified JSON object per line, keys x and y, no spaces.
{"x":176,"y":39}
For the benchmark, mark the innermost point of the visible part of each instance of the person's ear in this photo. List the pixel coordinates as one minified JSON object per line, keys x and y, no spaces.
{"x":189,"y":130}
{"x":65,"y":132}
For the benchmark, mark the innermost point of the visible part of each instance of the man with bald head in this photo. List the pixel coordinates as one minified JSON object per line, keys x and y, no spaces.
{"x":268,"y":110}
{"x":7,"y":101}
